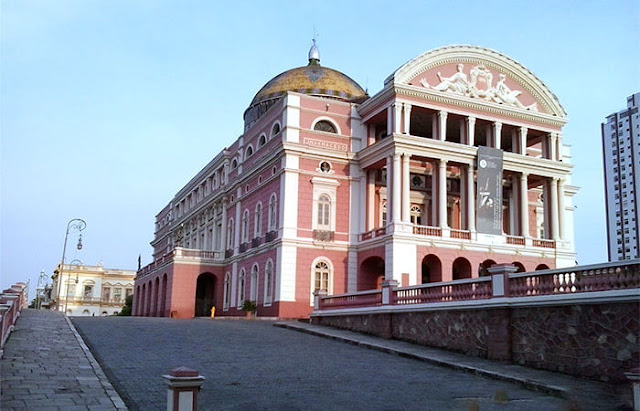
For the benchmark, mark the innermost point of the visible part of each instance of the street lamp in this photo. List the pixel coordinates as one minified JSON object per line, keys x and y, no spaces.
{"x":79,"y":225}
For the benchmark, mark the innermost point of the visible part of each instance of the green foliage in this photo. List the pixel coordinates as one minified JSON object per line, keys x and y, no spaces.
{"x":128,"y":303}
{"x":34,"y":303}
{"x":249,"y":306}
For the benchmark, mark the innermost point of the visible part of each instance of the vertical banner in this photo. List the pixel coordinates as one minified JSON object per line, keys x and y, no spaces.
{"x":489,"y":191}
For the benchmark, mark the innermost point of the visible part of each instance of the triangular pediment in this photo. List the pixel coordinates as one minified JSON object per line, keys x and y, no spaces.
{"x":480,"y":74}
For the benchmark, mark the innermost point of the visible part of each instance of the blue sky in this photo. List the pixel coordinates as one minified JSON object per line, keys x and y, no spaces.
{"x":108,"y":107}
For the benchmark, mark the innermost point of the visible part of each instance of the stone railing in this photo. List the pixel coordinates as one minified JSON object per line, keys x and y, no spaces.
{"x":458,"y":290}
{"x":460,"y":234}
{"x":426,"y":230}
{"x":376,"y":232}
{"x":12,"y":300}
{"x":503,"y":282}
{"x":177,"y":252}
{"x":515,"y":240}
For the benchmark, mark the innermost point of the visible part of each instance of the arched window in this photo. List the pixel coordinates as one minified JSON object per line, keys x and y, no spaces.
{"x":234,"y":164}
{"x":384,"y":214}
{"x":324,"y":212}
{"x":249,"y":152}
{"x":262,"y":140}
{"x":416,"y":214}
{"x":326,"y":126}
{"x":241,"y":283}
{"x":321,"y":277}
{"x":273,"y":208}
{"x":253,"y":290}
{"x":257,"y":221}
{"x":275,"y":130}
{"x":268,"y":283}
{"x":230,"y":234}
{"x":245,"y":226}
{"x":321,"y":274}
{"x":227,"y":291}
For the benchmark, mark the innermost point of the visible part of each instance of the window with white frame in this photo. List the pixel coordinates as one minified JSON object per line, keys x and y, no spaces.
{"x":416,"y":214}
{"x":245,"y":226}
{"x":253,"y":289}
{"x":241,"y":284}
{"x":323,"y":220}
{"x":275,"y":130}
{"x":273,"y":212}
{"x":321,"y":277}
{"x":262,"y":140}
{"x":230,"y":232}
{"x":268,"y":283}
{"x":257,"y":221}
{"x":227,"y":291}
{"x":324,"y":203}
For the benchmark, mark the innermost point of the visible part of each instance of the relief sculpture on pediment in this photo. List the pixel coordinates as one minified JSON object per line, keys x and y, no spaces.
{"x":480,"y":86}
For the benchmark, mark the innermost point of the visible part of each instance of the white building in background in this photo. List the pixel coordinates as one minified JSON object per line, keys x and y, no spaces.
{"x":91,"y":290}
{"x":621,"y":153}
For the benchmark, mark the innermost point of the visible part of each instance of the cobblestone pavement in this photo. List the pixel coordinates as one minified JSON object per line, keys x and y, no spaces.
{"x":253,"y":365}
{"x":46,"y":366}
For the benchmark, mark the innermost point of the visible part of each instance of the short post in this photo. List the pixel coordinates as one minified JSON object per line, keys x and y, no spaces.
{"x":500,"y":278}
{"x":387,"y":290}
{"x":213,"y":312}
{"x":634,"y":376}
{"x":183,"y":387}
{"x":317,"y":298}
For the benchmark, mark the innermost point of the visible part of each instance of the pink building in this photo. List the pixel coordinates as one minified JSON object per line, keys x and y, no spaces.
{"x":455,"y":165}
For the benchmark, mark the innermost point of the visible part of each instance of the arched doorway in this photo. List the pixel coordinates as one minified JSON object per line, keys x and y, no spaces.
{"x":371,"y":274}
{"x":163,"y":298}
{"x":205,"y":294}
{"x":483,"y":269}
{"x":461,"y":268}
{"x":519,"y":266}
{"x":431,"y":269}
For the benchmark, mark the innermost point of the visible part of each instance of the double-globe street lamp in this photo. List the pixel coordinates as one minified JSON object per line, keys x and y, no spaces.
{"x":79,"y":225}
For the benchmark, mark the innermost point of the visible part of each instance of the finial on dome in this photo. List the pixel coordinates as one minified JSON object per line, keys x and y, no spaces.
{"x":314,"y":54}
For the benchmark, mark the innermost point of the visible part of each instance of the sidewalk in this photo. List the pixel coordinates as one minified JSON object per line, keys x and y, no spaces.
{"x":586,"y":394}
{"x":47,"y":366}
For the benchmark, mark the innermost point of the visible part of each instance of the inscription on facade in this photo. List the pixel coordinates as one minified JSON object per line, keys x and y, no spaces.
{"x":328,"y":145}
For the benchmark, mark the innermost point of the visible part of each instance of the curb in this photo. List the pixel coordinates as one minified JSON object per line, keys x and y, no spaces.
{"x":523,"y":382}
{"x":104,"y":381}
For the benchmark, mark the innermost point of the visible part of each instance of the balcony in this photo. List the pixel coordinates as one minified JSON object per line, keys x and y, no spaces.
{"x":244,"y":247}
{"x":256,"y":242}
{"x":270,"y":236}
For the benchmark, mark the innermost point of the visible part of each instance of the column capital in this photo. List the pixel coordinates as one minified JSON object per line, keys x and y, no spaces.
{"x":470,"y":119}
{"x":443,"y":113}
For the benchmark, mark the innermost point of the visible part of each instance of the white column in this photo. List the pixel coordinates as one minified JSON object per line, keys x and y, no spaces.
{"x":497,"y":134}
{"x":406,"y":189}
{"x":389,"y":188}
{"x":442,"y":193}
{"x":396,"y":187}
{"x":471,"y":130}
{"x":523,"y":141}
{"x":390,"y":119}
{"x":407,"y":118}
{"x":223,"y":234}
{"x":434,"y":194}
{"x":553,"y":141}
{"x":561,"y":210}
{"x":553,"y":191}
{"x":471,"y":200}
{"x":442,"y":125}
{"x":524,"y":206}
{"x":559,"y":152}
{"x":397,"y":115}
{"x":513,"y":207}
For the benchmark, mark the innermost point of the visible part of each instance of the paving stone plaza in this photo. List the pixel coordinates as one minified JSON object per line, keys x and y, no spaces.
{"x":253,"y":365}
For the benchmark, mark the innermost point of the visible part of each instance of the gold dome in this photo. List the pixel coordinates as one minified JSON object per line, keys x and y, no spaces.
{"x":313,"y":80}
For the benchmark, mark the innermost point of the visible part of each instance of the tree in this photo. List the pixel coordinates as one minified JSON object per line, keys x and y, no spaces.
{"x":128,"y":303}
{"x":34,"y":303}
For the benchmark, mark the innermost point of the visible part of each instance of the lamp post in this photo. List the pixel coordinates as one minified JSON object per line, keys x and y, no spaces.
{"x":79,"y":225}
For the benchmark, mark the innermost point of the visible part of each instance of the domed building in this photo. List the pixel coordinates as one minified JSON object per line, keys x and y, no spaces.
{"x":457,"y":164}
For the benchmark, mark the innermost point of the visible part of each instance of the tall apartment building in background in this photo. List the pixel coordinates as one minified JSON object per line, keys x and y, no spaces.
{"x":621,"y":148}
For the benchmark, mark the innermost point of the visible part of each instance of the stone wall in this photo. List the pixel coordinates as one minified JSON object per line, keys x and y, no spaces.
{"x":598,"y":341}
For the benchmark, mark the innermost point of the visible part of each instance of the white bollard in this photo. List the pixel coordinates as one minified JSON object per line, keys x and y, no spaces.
{"x":184,"y":385}
{"x":634,"y":376}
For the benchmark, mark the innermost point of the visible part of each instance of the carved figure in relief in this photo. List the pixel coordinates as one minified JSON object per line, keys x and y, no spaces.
{"x":457,"y":83}
{"x":480,"y":74}
{"x":505,"y":95}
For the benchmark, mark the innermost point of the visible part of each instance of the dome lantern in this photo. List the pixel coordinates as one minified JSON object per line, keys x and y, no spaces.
{"x":314,"y":55}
